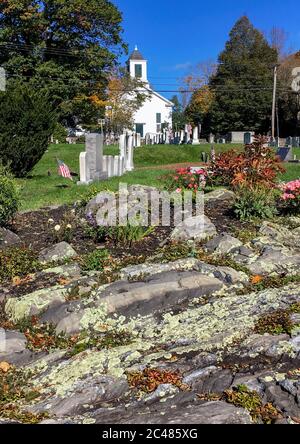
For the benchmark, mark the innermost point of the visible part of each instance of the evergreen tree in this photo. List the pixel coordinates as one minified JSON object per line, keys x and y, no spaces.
{"x":27,"y":121}
{"x":178,"y":116}
{"x":243,"y":82}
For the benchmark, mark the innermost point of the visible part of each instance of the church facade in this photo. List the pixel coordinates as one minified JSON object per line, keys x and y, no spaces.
{"x":156,"y":112}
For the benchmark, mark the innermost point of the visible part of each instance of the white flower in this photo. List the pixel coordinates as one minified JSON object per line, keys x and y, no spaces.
{"x":57,"y":227}
{"x":69,"y":226}
{"x":50,"y":221}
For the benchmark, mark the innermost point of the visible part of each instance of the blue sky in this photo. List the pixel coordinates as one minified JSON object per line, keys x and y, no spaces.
{"x":173,"y":34}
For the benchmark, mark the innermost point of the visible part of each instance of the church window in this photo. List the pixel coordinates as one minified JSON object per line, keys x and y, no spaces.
{"x":138,"y":71}
{"x":158,"y":117}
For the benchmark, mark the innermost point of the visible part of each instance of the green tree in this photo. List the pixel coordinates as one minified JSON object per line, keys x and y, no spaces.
{"x":27,"y":121}
{"x":64,"y":47}
{"x":178,"y":116}
{"x":243,"y":82}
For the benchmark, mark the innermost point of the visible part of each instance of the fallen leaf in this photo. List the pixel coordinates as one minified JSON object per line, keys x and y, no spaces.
{"x":4,"y":366}
{"x":256,"y":279}
{"x":63,"y":281}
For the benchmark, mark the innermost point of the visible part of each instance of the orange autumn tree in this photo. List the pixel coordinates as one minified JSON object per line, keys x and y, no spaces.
{"x":200,"y":104}
{"x":123,"y":97}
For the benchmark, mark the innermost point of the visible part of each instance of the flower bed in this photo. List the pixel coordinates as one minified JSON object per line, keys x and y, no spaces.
{"x":291,"y":195}
{"x":187,"y":179}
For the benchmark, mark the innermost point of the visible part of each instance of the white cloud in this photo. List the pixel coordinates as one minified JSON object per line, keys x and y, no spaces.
{"x":182,"y":66}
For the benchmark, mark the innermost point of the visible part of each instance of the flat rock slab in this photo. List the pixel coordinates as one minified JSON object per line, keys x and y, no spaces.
{"x":11,"y":342}
{"x":159,"y":292}
{"x":171,"y":413}
{"x":56,"y":253}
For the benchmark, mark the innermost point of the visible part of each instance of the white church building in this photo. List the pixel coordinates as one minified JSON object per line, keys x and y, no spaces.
{"x":156,"y":111}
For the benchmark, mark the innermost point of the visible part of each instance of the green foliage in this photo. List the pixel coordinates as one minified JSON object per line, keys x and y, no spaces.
{"x":174,"y":251}
{"x":178,"y":116}
{"x":255,"y":203}
{"x":127,"y":235}
{"x":17,"y":262}
{"x":98,"y":234}
{"x":108,"y":340}
{"x":9,"y":197}
{"x":26,"y":124}
{"x":276,"y":323}
{"x":260,"y":283}
{"x":59,"y":46}
{"x":65,"y":230}
{"x":95,"y":261}
{"x":42,"y":337}
{"x":241,"y":396}
{"x":60,"y":133}
{"x":243,"y":82}
{"x":14,"y":387}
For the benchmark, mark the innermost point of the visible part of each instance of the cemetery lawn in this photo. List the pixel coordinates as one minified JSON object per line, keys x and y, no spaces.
{"x":45,"y":188}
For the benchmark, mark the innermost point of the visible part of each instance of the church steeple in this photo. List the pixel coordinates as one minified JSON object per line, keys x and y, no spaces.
{"x":137,"y":65}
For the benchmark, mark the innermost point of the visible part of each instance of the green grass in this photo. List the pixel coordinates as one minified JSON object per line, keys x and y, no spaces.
{"x":40,"y":189}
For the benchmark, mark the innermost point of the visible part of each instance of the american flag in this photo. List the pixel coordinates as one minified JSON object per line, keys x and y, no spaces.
{"x":63,"y":170}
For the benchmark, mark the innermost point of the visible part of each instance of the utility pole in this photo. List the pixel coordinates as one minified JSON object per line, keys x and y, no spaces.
{"x":274,"y":101}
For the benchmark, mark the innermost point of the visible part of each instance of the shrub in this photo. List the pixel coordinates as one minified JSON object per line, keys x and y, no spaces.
{"x":127,"y":235}
{"x":97,"y":260}
{"x":257,"y":202}
{"x":60,"y":133}
{"x":26,"y":124}
{"x":256,"y":166}
{"x":17,"y":262}
{"x":9,"y":197}
{"x":291,"y":196}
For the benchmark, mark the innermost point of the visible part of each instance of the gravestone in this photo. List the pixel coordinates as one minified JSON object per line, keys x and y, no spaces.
{"x":94,"y":150}
{"x":295,"y":142}
{"x":285,"y":154}
{"x":196,"y":136}
{"x":84,"y":170}
{"x":129,"y":155}
{"x":248,"y":138}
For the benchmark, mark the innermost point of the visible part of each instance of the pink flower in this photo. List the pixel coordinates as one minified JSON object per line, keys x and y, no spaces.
{"x":288,"y":196}
{"x":178,"y":190}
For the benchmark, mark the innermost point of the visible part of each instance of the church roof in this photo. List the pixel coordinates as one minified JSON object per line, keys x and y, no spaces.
{"x":136,"y":55}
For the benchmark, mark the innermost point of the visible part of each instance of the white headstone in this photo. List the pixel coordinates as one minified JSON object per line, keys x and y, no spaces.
{"x":196,"y":136}
{"x":110,"y":166}
{"x":105,"y":164}
{"x":84,"y":170}
{"x":116,"y":165}
{"x":121,"y":166}
{"x":129,"y":158}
